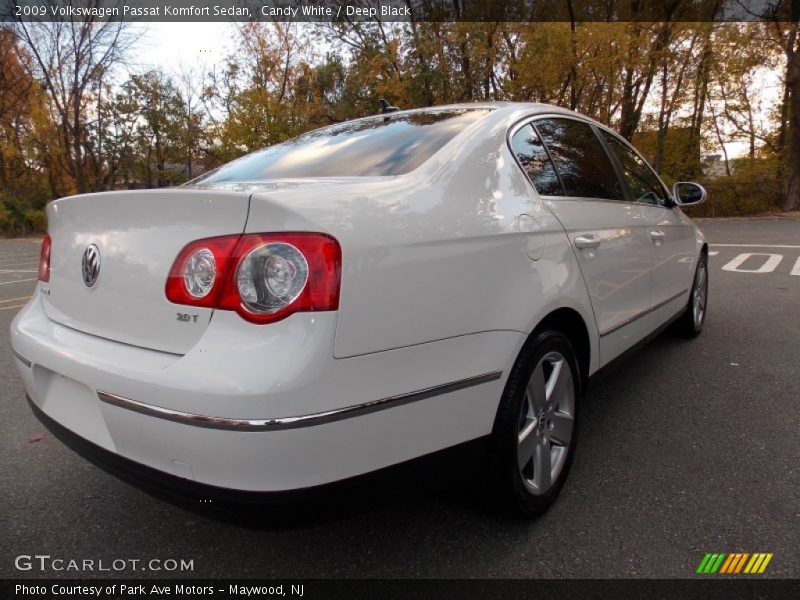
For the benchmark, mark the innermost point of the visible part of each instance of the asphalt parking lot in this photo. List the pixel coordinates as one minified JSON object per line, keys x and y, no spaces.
{"x":689,"y":447}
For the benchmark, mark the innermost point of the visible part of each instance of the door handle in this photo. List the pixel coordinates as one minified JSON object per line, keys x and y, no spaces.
{"x":587,"y":241}
{"x":657,"y":235}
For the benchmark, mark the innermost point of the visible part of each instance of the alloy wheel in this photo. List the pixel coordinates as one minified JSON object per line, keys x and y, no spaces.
{"x":546,"y":423}
{"x":700,"y":294}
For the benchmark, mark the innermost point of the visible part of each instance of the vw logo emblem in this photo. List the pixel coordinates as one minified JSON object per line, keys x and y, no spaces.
{"x":90,"y":265}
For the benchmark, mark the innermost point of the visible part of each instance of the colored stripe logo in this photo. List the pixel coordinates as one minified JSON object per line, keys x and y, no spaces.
{"x":734,"y":563}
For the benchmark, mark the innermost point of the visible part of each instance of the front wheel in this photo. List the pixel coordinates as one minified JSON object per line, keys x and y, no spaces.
{"x":690,"y":323}
{"x":534,"y":436}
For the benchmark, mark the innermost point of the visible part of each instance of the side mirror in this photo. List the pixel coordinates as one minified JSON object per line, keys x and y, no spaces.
{"x":685,"y":193}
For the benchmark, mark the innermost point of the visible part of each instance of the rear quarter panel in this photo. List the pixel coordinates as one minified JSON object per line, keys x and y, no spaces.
{"x":438,"y":253}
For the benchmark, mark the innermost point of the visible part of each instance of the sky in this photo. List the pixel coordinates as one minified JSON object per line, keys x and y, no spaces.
{"x":182,"y":47}
{"x":175,"y":46}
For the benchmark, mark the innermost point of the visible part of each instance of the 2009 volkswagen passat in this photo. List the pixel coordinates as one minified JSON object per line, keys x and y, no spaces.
{"x":359,"y":296}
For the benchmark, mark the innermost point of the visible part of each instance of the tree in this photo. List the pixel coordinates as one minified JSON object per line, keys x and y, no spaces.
{"x":73,"y":118}
{"x":789,"y":38}
{"x":17,"y":92}
{"x":73,"y":60}
{"x":162,"y":124}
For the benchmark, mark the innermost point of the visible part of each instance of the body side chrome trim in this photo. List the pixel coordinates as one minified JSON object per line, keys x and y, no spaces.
{"x":284,"y":423}
{"x":643,"y":313}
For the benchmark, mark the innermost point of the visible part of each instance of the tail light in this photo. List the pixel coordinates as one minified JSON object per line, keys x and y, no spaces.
{"x":44,"y":259}
{"x":185,"y":280}
{"x":263,"y":277}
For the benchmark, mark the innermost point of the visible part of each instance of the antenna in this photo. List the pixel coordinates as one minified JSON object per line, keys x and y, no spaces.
{"x":386,"y":107}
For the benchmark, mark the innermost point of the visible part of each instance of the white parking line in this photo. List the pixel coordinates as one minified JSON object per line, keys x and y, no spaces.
{"x":772,"y":261}
{"x":713,"y":252}
{"x":19,"y":265}
{"x":18,"y":270}
{"x":20,"y":257}
{"x":14,"y":299}
{"x":11,"y":307}
{"x":17,"y":281}
{"x":796,"y":267}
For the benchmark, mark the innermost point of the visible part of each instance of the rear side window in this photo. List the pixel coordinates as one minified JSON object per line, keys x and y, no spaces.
{"x":580,"y":159}
{"x":530,"y":153}
{"x":640,"y":179}
{"x":387,"y":145}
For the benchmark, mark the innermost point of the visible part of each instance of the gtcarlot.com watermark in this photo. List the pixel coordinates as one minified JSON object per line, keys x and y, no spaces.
{"x":48,"y":563}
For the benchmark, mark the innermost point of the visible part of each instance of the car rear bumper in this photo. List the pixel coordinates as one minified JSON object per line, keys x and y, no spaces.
{"x":224,"y":416}
{"x":440,"y":468}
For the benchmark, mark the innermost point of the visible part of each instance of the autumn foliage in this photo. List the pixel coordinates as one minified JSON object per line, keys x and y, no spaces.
{"x":75,"y":118}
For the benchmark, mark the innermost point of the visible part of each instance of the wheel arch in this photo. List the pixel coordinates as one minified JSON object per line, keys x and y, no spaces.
{"x":570,"y":322}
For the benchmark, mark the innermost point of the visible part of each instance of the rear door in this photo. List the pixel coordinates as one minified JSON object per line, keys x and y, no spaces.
{"x":567,"y":163}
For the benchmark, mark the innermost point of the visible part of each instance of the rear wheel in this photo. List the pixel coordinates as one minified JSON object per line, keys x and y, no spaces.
{"x":690,"y":323}
{"x":534,"y":435}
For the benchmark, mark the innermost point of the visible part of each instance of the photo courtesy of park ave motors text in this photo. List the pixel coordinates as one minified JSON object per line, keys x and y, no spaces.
{"x":500,"y":292}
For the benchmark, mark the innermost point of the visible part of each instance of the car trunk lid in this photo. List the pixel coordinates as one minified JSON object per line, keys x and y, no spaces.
{"x":138,"y":235}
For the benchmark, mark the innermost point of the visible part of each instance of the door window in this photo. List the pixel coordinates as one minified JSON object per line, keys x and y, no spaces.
{"x":580,"y":159}
{"x":643,"y":183}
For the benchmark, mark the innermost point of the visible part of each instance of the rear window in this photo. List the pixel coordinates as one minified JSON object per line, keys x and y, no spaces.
{"x":391,"y":144}
{"x":532,"y":156}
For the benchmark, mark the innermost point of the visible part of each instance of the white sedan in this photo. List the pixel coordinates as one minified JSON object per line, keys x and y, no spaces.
{"x":357,"y":297}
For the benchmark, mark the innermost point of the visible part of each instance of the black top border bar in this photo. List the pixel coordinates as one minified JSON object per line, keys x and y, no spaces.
{"x":401,"y":10}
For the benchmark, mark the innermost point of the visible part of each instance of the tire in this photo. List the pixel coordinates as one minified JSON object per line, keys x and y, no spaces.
{"x":525,"y":426}
{"x":690,"y":323}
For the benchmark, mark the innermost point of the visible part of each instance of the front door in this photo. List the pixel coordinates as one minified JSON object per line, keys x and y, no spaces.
{"x":670,"y":232}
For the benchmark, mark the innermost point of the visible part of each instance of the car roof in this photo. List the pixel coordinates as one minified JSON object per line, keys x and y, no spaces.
{"x":508,"y":110}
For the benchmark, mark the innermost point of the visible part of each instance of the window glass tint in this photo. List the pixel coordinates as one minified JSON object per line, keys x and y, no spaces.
{"x":534,"y":160}
{"x":580,"y":159}
{"x":643,"y":183}
{"x":385,"y":145}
